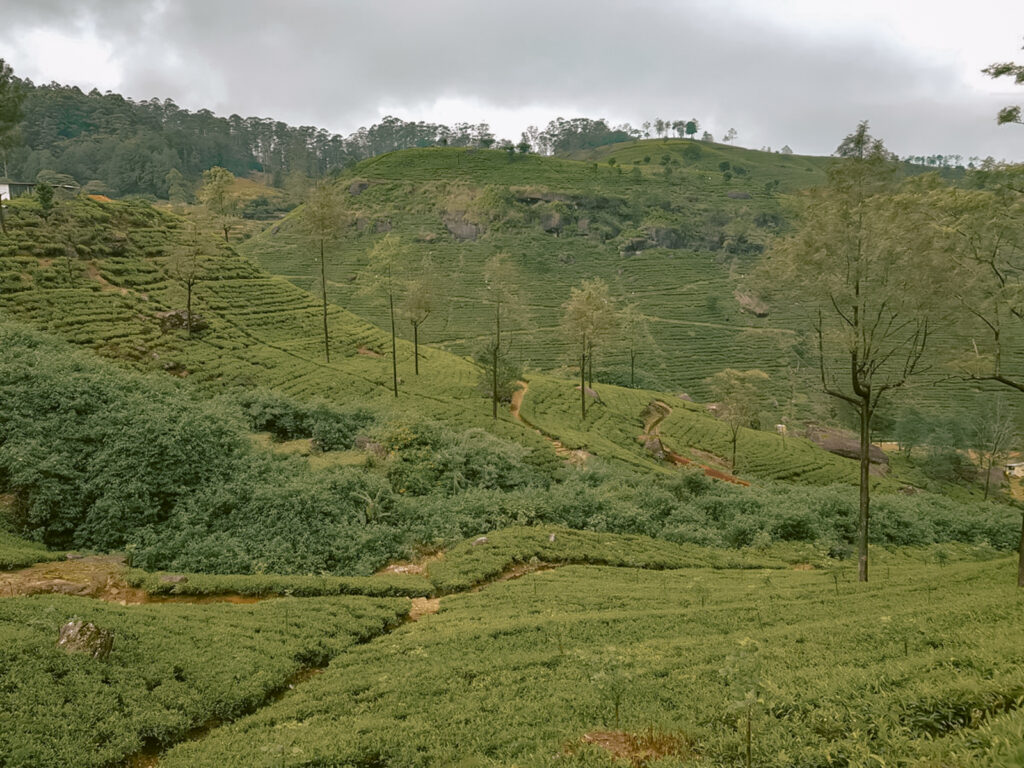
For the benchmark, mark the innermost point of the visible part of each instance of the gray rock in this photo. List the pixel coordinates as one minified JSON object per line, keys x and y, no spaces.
{"x":73,"y":556}
{"x":358,"y":187}
{"x":481,"y":540}
{"x":551,"y":537}
{"x":173,"y":578}
{"x":460,"y":228}
{"x":85,"y":637}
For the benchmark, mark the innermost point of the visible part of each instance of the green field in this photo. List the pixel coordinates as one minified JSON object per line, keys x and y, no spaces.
{"x":921,"y":668}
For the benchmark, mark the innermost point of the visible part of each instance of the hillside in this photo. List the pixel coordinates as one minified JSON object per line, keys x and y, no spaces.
{"x":665,"y":226}
{"x":673,"y":244}
{"x":265,"y":332}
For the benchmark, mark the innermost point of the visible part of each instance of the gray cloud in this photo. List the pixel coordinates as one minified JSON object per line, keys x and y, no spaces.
{"x":338,"y":63}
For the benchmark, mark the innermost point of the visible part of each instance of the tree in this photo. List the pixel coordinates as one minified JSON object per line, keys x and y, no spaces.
{"x":739,"y":397}
{"x":70,"y":235}
{"x":501,"y":290}
{"x":1016,"y":71}
{"x":12,"y":96}
{"x":635,"y":330}
{"x":991,"y":434}
{"x":422,"y":297}
{"x":380,"y":277}
{"x":706,"y":136}
{"x":692,"y":126}
{"x":218,"y":195}
{"x":178,"y":191}
{"x":588,"y":319}
{"x":44,"y":194}
{"x":659,"y":126}
{"x":730,"y":136}
{"x":186,"y":265}
{"x":321,"y":219}
{"x":860,"y":265}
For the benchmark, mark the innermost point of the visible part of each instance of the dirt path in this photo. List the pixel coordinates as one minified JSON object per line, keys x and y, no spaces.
{"x":657,"y":411}
{"x":577,"y":456}
{"x":101,"y":577}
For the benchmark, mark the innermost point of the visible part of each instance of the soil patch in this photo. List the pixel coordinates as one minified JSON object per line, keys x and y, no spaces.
{"x":640,"y":749}
{"x":655,"y":413}
{"x":101,"y":577}
{"x":424,"y":606}
{"x":368,"y":352}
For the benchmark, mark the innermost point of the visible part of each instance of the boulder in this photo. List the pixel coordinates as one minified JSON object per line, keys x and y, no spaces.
{"x":751,"y":304}
{"x":358,"y":187}
{"x":173,"y":578}
{"x":844,"y":444}
{"x":85,"y":637}
{"x":480,"y":541}
{"x":460,"y":228}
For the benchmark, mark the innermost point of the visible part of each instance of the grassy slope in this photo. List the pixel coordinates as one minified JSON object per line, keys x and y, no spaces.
{"x":265,"y":331}
{"x":173,"y":668}
{"x":687,"y":292}
{"x":908,"y":668}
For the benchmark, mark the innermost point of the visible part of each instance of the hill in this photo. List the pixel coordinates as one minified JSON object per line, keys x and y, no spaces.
{"x":673,"y":239}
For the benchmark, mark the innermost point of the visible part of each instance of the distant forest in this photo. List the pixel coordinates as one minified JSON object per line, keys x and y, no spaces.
{"x":115,"y":145}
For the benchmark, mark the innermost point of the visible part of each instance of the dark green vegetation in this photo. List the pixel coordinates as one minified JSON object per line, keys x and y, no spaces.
{"x":213,"y":501}
{"x":174,"y":668}
{"x":922,"y":668}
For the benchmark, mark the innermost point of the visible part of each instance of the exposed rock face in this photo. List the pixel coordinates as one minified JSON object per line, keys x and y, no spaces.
{"x":751,"y":304}
{"x":844,"y":444}
{"x":460,"y":228}
{"x":85,"y":637}
{"x":173,"y":578}
{"x":358,"y":187}
{"x":364,"y":443}
{"x":481,"y":540}
{"x":635,"y":244}
{"x":177,"y":319}
{"x":666,"y":237}
{"x":552,"y":221}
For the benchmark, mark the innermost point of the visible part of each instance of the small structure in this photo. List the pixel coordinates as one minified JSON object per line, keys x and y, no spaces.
{"x":1016,"y":469}
{"x":780,"y":429}
{"x":12,"y":189}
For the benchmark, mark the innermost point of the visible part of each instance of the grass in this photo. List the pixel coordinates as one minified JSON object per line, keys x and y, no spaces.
{"x":271,"y":585}
{"x":16,"y":552}
{"x":921,"y":667}
{"x":173,"y":668}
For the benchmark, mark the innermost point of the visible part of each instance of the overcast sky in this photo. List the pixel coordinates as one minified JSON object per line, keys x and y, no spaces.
{"x":797,"y":72}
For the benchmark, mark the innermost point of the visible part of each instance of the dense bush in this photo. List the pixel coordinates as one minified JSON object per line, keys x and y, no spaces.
{"x":99,"y":458}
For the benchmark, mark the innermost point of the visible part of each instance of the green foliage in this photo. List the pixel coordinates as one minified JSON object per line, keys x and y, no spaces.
{"x":173,"y":668}
{"x":923,"y":669}
{"x":16,"y":552}
{"x":276,"y":585}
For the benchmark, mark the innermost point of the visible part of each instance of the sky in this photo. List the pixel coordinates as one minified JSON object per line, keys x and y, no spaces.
{"x":800,"y":73}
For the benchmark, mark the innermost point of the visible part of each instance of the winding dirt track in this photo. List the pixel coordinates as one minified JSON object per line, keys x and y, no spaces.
{"x":577,"y":456}
{"x":657,"y":411}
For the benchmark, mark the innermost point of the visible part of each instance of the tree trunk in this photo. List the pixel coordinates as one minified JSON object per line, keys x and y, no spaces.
{"x":632,"y":366}
{"x":590,"y":367}
{"x":323,"y":285}
{"x":3,"y":222}
{"x":394,"y":345}
{"x":735,"y":435}
{"x":1020,"y":555}
{"x":227,"y":228}
{"x":583,"y":388}
{"x":416,"y":347}
{"x":988,"y":476}
{"x":494,"y":361}
{"x":188,"y":307}
{"x":865,"y":489}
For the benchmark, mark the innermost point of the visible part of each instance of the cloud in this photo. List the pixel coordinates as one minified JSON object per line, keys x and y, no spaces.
{"x":342,"y":64}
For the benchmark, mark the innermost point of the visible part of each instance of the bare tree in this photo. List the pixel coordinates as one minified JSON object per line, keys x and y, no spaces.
{"x":422,"y":298}
{"x":861,"y":266}
{"x":321,"y":219}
